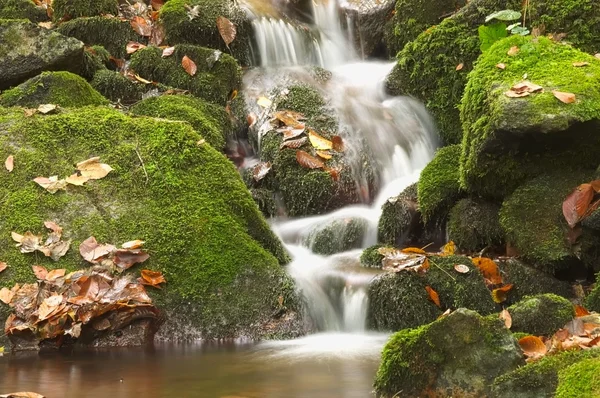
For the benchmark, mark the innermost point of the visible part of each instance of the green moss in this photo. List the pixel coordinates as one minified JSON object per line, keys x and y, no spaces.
{"x":59,"y":88}
{"x":541,"y":315}
{"x":96,"y":58}
{"x":461,"y":353}
{"x":533,"y":221}
{"x":213,"y":83}
{"x":540,"y":378}
{"x":338,"y":236}
{"x":399,"y":217}
{"x":187,"y":202}
{"x":581,"y":380}
{"x":117,"y":87}
{"x":69,"y":9}
{"x":508,"y":140}
{"x":528,"y":281}
{"x":265,"y":201}
{"x":111,"y":33}
{"x":202,"y":30}
{"x":22,"y":9}
{"x":438,"y":187}
{"x":209,"y":120}
{"x":427,"y":66}
{"x":370,"y":257}
{"x":519,"y":335}
{"x":474,"y":225}
{"x":592,"y":301}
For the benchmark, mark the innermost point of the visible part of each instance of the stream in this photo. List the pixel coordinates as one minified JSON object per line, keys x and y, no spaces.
{"x":341,"y":358}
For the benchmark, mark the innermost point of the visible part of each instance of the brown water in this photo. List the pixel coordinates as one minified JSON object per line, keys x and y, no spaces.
{"x":328,"y":366}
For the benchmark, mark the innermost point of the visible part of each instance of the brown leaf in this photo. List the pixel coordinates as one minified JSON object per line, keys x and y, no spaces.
{"x":460,"y":66}
{"x":576,"y":205}
{"x":290,"y":133}
{"x":261,"y":170}
{"x":567,"y":98}
{"x":9,"y":163}
{"x":133,"y":244}
{"x":533,"y":346}
{"x":461,"y":268}
{"x":488,"y":269}
{"x":3,"y":266}
{"x":46,"y":108}
{"x":294,"y":144}
{"x":433,"y":296}
{"x":6,"y":295}
{"x":338,"y":143}
{"x":51,"y":184}
{"x":580,"y":64}
{"x":189,"y":66}
{"x":319,"y":142}
{"x":152,"y":278}
{"x":93,"y":169}
{"x":48,"y":306}
{"x":125,"y":259}
{"x":92,"y":251}
{"x":167,"y":52}
{"x":157,"y":4}
{"x":501,"y":294}
{"x":514,"y":50}
{"x":226,"y":29}
{"x":133,"y":46}
{"x":505,"y":316}
{"x":581,"y":311}
{"x":289,"y":118}
{"x":523,"y":89}
{"x":55,"y":274}
{"x":39,"y":272}
{"x":157,"y":37}
{"x":141,"y":26}
{"x":30,"y":243}
{"x":308,"y":161}
{"x":596,"y":185}
{"x":501,"y":66}
{"x":251,"y":119}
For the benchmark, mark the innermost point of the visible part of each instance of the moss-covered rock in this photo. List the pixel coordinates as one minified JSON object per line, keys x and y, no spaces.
{"x":187,"y":201}
{"x":400,"y":218}
{"x":96,"y":58}
{"x":592,"y":301}
{"x":540,"y":378}
{"x":439,"y":187}
{"x":111,"y":33}
{"x":181,"y":28}
{"x":458,"y":355}
{"x":70,"y":9}
{"x":370,"y":257}
{"x":474,"y":225}
{"x":59,"y":88}
{"x":213,"y":82}
{"x":413,"y":17}
{"x":541,"y":315}
{"x":117,"y":87}
{"x":209,"y":120}
{"x":337,"y":236}
{"x":427,"y":66}
{"x":507,"y":140}
{"x":26,"y":50}
{"x":22,"y":9}
{"x":534,"y":224}
{"x":580,"y":380}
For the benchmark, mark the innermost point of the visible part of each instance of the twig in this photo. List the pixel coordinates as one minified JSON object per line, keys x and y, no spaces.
{"x":426,"y":246}
{"x":443,"y":270}
{"x":143,"y":165}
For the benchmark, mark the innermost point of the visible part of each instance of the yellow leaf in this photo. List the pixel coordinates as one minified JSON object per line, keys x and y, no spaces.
{"x":93,"y":169}
{"x":264,"y":102}
{"x":319,"y":142}
{"x":449,"y":249}
{"x":324,"y":154}
{"x":77,"y":180}
{"x":501,"y":294}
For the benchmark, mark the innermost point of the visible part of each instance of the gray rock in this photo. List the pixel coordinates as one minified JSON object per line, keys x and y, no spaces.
{"x":367,"y":22}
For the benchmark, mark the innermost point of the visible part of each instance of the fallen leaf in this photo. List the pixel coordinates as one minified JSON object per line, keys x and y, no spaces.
{"x":141,"y":79}
{"x":16,"y":237}
{"x":46,"y":108}
{"x":449,"y":249}
{"x":9,"y":163}
{"x":308,"y":161}
{"x":567,"y":98}
{"x":39,"y":272}
{"x":445,"y":314}
{"x":264,"y":102}
{"x":338,"y":143}
{"x":57,"y":250}
{"x":289,"y":118}
{"x":48,"y":306}
{"x":324,"y":155}
{"x":261,"y":170}
{"x":433,"y":296}
{"x":141,"y":26}
{"x":193,"y":13}
{"x":291,"y":133}
{"x":157,"y":4}
{"x":226,"y":29}
{"x":319,"y":142}
{"x":533,"y":346}
{"x":22,"y":394}
{"x":505,"y":316}
{"x":523,"y":89}
{"x":460,"y":66}
{"x":501,"y":66}
{"x":6,"y":295}
{"x":461,"y":268}
{"x":51,"y":184}
{"x":580,"y":64}
{"x":125,"y":259}
{"x":133,"y":46}
{"x":92,"y":251}
{"x":55,"y":274}
{"x":189,"y":66}
{"x":152,"y":278}
{"x":396,"y":261}
{"x":576,"y":205}
{"x":3,"y":266}
{"x":167,"y":52}
{"x":93,"y":169}
{"x":157,"y":37}
{"x":251,"y":119}
{"x":581,"y":311}
{"x":488,"y":269}
{"x":133,"y":244}
{"x":30,"y":243}
{"x":513,"y":94}
{"x":76,"y":179}
{"x":294,"y":144}
{"x":501,"y":294}
{"x":514,"y":50}
{"x":46,"y":25}
{"x":414,"y":250}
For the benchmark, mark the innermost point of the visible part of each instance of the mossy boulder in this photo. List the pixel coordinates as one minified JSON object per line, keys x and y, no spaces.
{"x":59,"y":88}
{"x":541,"y":315}
{"x":508,"y":140}
{"x":459,"y":355}
{"x":22,"y":9}
{"x":580,"y":380}
{"x":214,"y":80}
{"x":427,"y":70}
{"x":592,"y":300}
{"x":413,"y":17}
{"x":337,"y":236}
{"x":474,"y":225}
{"x":117,"y":88}
{"x":26,"y":50}
{"x":400,"y":219}
{"x":186,"y":200}
{"x":209,"y":120}
{"x":534,"y":224}
{"x":70,"y":9}
{"x":200,"y":28}
{"x":439,"y":187}
{"x":370,"y":257}
{"x":95,"y":59}
{"x":540,"y":378}
{"x":111,"y":33}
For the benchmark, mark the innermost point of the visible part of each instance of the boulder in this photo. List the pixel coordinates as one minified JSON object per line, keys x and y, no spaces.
{"x":540,"y":378}
{"x":400,"y":219}
{"x":70,"y":9}
{"x":96,"y":58}
{"x":118,"y":88}
{"x":473,"y":225}
{"x":541,"y":315}
{"x":217,"y":76}
{"x":26,"y":50}
{"x":427,"y":66}
{"x":22,"y":9}
{"x":509,"y":140}
{"x":366,"y":23}
{"x":202,"y":229}
{"x":579,"y":380}
{"x":59,"y":88}
{"x":458,"y":355}
{"x":371,"y":258}
{"x":337,"y":236}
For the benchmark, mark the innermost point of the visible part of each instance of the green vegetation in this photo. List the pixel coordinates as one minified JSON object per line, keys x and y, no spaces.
{"x":70,"y":9}
{"x":541,"y":315}
{"x":95,"y":59}
{"x":474,"y":225}
{"x":399,"y":217}
{"x":371,"y":258}
{"x":22,"y":9}
{"x":529,"y":281}
{"x":580,"y":380}
{"x":117,"y":87}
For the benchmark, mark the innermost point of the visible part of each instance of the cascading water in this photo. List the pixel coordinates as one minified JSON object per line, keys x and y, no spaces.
{"x":397,"y":132}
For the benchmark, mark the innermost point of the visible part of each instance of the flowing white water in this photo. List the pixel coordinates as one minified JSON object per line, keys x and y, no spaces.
{"x":396,"y":132}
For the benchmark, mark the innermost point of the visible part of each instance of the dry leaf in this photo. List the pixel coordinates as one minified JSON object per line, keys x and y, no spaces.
{"x":6,"y":295}
{"x":157,"y":4}
{"x":189,"y":66}
{"x":294,"y":144}
{"x":125,"y":259}
{"x":501,"y":294}
{"x":523,"y":89}
{"x":414,"y":250}
{"x":567,"y":98}
{"x":433,"y":296}
{"x":194,"y":12}
{"x":460,"y":66}
{"x":133,"y":46}
{"x":141,"y":26}
{"x":133,"y":244}
{"x":533,"y":346}
{"x":580,"y":64}
{"x":291,"y":133}
{"x":324,"y":155}
{"x":167,"y":52}
{"x":449,"y":249}
{"x":93,"y":169}
{"x":319,"y":142}
{"x":46,"y":108}
{"x":514,"y":50}
{"x":461,"y":268}
{"x":488,"y":269}
{"x":501,"y":66}
{"x":226,"y":29}
{"x":3,"y":266}
{"x":51,"y":184}
{"x":92,"y":251}
{"x":141,"y":79}
{"x":9,"y":163}
{"x":55,"y":274}
{"x":251,"y":119}
{"x":576,"y":205}
{"x":338,"y":143}
{"x":308,"y":161}
{"x":505,"y":316}
{"x":581,"y":311}
{"x":76,"y":179}
{"x":264,"y":102}
{"x":22,"y":394}
{"x":152,"y":278}
{"x":261,"y":170}
{"x":39,"y":272}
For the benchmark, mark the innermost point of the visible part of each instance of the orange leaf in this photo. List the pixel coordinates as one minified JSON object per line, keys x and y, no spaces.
{"x":152,"y":278}
{"x":338,"y":143}
{"x":596,"y":185}
{"x":501,"y":294}
{"x":133,"y":244}
{"x":9,"y":163}
{"x":505,"y":316}
{"x":580,"y":311}
{"x":460,"y":66}
{"x":189,"y":66}
{"x":567,"y":98}
{"x":133,"y":46}
{"x":448,"y":249}
{"x":324,"y":154}
{"x":533,"y":346}
{"x":308,"y":161}
{"x":501,"y":66}
{"x":40,"y":272}
{"x":577,"y":203}
{"x":226,"y":29}
{"x":6,"y":295}
{"x":426,"y":265}
{"x":157,"y":4}
{"x":141,"y":27}
{"x":3,"y":266}
{"x":433,"y":296}
{"x":488,"y":269}
{"x":414,"y":250}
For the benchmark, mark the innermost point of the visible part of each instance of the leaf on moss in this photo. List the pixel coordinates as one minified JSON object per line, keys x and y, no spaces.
{"x":261,"y":170}
{"x":506,"y":318}
{"x":226,"y":29}
{"x":46,"y":108}
{"x":414,"y":250}
{"x":6,"y":295}
{"x":93,"y":252}
{"x":3,"y":266}
{"x":188,"y":65}
{"x":324,"y":155}
{"x":489,"y":270}
{"x":319,"y":142}
{"x":193,"y":12}
{"x":125,"y":259}
{"x":294,"y":144}
{"x":308,"y":161}
{"x":433,"y":296}
{"x":152,"y":278}
{"x":580,"y":311}
{"x":395,"y":260}
{"x":141,"y":26}
{"x":462,"y":269}
{"x":580,"y":64}
{"x":39,"y":272}
{"x":290,"y":133}
{"x":338,"y":143}
{"x":500,"y":294}
{"x":134,"y":46}
{"x":264,"y":102}
{"x":51,"y":184}
{"x":157,"y":4}
{"x":167,"y":52}
{"x":533,"y":347}
{"x":566,"y":98}
{"x":460,"y":66}
{"x":76,"y":179}
{"x":141,"y":79}
{"x":501,"y":66}
{"x":514,"y":50}
{"x":576,"y":205}
{"x":290,"y":118}
{"x":93,"y":169}
{"x":251,"y":119}
{"x":133,"y":244}
{"x":523,"y":89}
{"x":9,"y":163}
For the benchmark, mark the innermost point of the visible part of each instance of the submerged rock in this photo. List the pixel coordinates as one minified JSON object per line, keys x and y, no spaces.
{"x":459,"y":355}
{"x":541,"y":315}
{"x":26,"y":50}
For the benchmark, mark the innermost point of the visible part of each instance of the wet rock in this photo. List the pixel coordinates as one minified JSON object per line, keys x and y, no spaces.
{"x":459,"y":355}
{"x":541,"y":315}
{"x":22,"y":9}
{"x":59,"y":88}
{"x":337,"y":236}
{"x":26,"y":50}
{"x":366,"y":19}
{"x":473,"y":225}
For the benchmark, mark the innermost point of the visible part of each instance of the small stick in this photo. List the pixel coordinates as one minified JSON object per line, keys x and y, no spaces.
{"x":143,"y":165}
{"x":443,"y":270}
